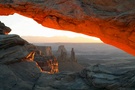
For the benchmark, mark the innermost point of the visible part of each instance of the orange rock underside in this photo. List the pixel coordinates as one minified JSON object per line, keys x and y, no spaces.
{"x":113,"y":22}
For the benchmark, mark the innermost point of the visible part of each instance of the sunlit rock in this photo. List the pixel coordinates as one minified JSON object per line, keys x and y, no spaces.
{"x":113,"y":22}
{"x":53,"y":65}
{"x":30,"y":56}
{"x":46,"y":60}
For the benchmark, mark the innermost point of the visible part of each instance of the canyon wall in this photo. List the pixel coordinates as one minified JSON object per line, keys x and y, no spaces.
{"x":112,"y":21}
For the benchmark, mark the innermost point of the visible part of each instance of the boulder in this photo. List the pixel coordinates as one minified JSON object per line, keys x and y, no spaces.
{"x":105,"y":78}
{"x":27,"y":73}
{"x":12,"y":49}
{"x":4,"y":29}
{"x":13,"y":54}
{"x":61,"y":81}
{"x":10,"y":41}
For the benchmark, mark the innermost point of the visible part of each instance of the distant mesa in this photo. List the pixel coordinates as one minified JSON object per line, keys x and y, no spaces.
{"x":67,"y":62}
{"x":58,"y":62}
{"x":63,"y":54}
{"x":46,"y":50}
{"x":61,"y":48}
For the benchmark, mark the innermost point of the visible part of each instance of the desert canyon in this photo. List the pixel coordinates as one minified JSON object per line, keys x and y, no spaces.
{"x":112,"y":21}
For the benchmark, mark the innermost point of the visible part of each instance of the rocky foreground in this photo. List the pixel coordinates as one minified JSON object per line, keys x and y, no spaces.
{"x":19,"y":71}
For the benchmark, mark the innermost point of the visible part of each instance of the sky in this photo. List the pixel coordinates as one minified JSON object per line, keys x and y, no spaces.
{"x":28,"y":28}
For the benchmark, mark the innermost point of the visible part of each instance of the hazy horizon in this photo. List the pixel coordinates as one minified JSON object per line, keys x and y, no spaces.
{"x":60,"y":39}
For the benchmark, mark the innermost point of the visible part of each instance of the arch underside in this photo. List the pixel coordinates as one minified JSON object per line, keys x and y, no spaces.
{"x":113,"y":22}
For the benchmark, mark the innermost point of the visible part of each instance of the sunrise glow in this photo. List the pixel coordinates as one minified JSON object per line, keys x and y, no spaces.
{"x":24,"y":26}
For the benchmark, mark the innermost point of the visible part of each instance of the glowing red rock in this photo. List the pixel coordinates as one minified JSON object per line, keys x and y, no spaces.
{"x":113,"y":22}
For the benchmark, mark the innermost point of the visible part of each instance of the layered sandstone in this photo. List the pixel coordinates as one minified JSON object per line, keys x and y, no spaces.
{"x":46,"y":60}
{"x":18,"y":70}
{"x":111,"y":21}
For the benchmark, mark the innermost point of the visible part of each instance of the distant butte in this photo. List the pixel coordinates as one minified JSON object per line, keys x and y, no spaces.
{"x":112,"y":21}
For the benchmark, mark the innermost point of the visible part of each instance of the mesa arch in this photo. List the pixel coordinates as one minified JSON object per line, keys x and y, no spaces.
{"x":112,"y":21}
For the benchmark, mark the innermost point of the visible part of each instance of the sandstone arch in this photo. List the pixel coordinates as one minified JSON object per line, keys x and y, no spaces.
{"x":112,"y":21}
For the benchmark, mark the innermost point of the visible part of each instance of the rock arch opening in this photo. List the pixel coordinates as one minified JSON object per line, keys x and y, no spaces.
{"x":25,"y":23}
{"x":33,"y":32}
{"x":113,"y":25}
{"x":113,"y":22}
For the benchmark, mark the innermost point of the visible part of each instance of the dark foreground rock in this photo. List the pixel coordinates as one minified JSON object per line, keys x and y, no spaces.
{"x":61,"y":81}
{"x":20,"y":72}
{"x":106,"y":78}
{"x":17,"y":70}
{"x":4,"y":29}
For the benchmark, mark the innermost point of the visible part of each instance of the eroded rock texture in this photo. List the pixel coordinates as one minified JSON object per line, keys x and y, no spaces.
{"x":18,"y":71}
{"x":109,"y":78}
{"x":112,"y":21}
{"x":46,"y":60}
